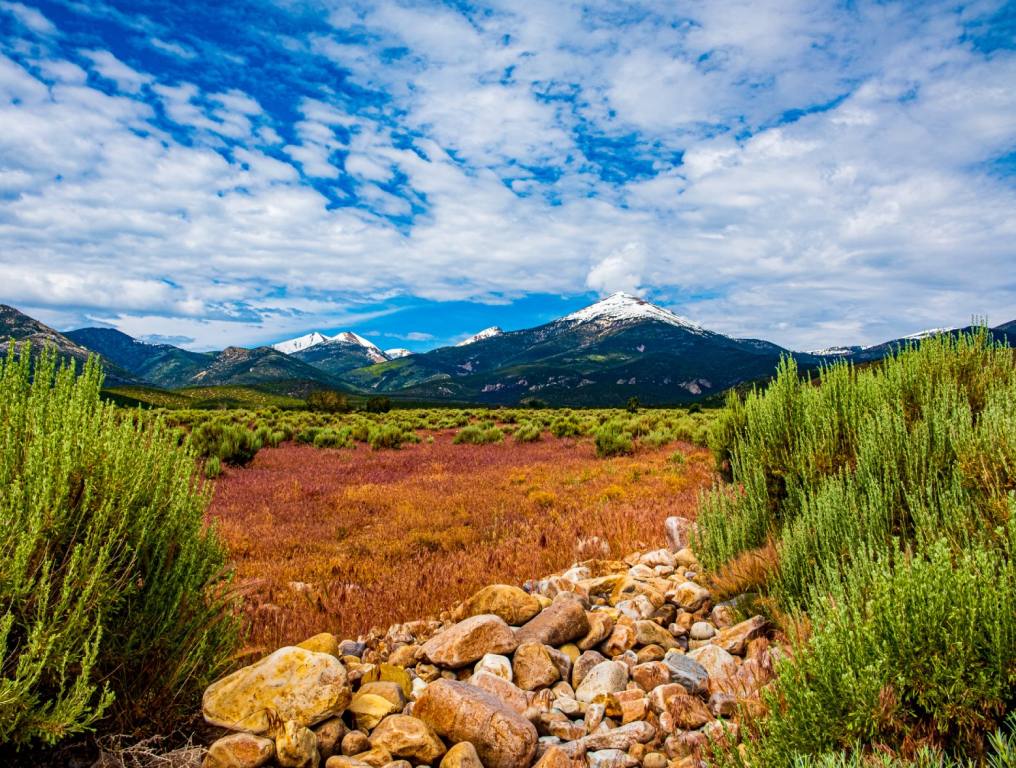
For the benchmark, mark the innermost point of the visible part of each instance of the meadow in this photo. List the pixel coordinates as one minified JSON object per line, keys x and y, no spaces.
{"x":342,"y":540}
{"x":866,"y":512}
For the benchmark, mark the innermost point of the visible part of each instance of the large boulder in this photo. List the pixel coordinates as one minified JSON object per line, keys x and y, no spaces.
{"x":290,"y":684}
{"x":514,"y":605}
{"x":462,"y":712}
{"x":560,"y":622}
{"x":469,"y":641}
{"x":408,"y":737}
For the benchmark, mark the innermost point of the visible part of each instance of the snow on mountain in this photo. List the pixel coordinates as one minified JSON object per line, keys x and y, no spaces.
{"x":395,"y":354}
{"x":300,"y":342}
{"x":486,"y":333}
{"x":928,"y":333}
{"x":346,"y":337}
{"x":833,"y":351}
{"x":625,"y":308}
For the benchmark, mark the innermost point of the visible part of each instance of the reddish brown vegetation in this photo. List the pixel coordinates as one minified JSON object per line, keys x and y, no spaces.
{"x":376,"y":537}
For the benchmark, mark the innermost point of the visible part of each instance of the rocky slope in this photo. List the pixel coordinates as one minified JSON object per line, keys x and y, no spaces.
{"x":19,"y":327}
{"x":611,"y":664}
{"x":163,"y":365}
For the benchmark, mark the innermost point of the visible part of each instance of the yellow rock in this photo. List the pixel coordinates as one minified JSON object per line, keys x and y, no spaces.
{"x":571,"y":651}
{"x":370,"y":708}
{"x":408,"y":737}
{"x":395,"y":674}
{"x":290,"y":684}
{"x":462,"y":755}
{"x":239,"y":750}
{"x":325,"y":642}
{"x":296,"y":747}
{"x":376,"y":757}
{"x":514,"y":605}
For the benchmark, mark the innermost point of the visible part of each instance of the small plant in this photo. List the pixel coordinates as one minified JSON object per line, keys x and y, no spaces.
{"x":213,"y":467}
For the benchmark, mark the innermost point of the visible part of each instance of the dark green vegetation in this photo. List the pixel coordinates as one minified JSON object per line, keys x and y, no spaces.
{"x":114,"y":608}
{"x":881,"y":501}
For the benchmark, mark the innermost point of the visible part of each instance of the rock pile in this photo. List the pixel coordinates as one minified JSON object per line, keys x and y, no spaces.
{"x":611,"y":664}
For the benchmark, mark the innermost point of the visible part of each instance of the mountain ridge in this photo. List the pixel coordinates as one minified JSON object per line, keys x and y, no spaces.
{"x":615,"y":348}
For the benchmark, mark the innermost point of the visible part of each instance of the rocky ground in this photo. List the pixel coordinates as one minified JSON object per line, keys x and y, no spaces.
{"x":611,"y":664}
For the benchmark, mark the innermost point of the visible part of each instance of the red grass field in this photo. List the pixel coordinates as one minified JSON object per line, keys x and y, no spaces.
{"x":378,"y":537}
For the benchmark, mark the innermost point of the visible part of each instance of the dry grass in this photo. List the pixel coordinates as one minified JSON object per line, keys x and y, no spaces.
{"x":345,"y":540}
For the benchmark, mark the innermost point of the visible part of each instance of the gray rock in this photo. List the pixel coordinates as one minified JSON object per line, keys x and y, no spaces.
{"x":687,"y":672}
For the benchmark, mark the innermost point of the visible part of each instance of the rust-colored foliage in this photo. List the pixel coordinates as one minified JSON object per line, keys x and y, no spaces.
{"x":340,"y":541}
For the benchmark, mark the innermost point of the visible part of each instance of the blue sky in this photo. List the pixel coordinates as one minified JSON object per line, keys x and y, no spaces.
{"x":242,"y":172}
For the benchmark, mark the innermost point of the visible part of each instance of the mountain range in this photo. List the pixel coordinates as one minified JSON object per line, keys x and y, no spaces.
{"x":619,"y":347}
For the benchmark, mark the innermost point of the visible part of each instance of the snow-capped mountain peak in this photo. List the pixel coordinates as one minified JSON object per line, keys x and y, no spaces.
{"x":624,"y":308}
{"x":373,"y":351}
{"x":346,"y":337}
{"x":486,"y":333}
{"x":395,"y":354}
{"x":300,"y":343}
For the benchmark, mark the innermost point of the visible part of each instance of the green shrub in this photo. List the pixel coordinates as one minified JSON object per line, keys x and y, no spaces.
{"x":333,"y":438}
{"x":612,"y":440}
{"x":113,"y":605}
{"x":390,"y":436}
{"x":888,"y":493}
{"x":232,"y":444}
{"x":478,"y":434}
{"x":658,"y":437}
{"x":527,"y":432}
{"x":565,"y":428}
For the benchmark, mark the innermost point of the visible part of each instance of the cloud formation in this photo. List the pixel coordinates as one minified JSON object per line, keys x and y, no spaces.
{"x":808,"y":173}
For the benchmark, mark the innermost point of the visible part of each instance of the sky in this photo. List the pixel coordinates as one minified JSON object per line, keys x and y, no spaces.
{"x":238,"y":173}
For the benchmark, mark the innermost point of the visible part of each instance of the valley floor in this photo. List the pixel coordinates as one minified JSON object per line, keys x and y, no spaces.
{"x":340,"y":541}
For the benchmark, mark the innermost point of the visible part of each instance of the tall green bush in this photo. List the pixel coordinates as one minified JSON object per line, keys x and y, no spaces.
{"x":889,"y":494}
{"x":111,"y":587}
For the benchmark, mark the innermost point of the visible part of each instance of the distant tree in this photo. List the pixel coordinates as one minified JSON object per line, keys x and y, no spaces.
{"x":532,"y":402}
{"x":694,"y":408}
{"x":378,"y":404}
{"x":633,"y":404}
{"x":328,"y":401}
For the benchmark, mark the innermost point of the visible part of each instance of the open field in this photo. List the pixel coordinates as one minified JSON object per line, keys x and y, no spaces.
{"x":375,"y":537}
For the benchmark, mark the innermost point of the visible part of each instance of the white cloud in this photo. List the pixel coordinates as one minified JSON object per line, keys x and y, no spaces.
{"x":870,"y":217}
{"x":32,"y":18}
{"x":110,"y":67}
{"x":620,"y":271}
{"x":173,"y":49}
